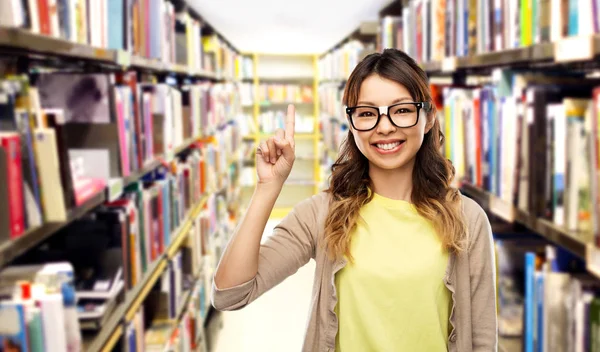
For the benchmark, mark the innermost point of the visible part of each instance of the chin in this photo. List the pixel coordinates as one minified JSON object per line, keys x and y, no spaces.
{"x":388,"y":164}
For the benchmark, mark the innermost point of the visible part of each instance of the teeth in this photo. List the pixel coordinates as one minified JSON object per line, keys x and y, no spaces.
{"x":388,"y":146}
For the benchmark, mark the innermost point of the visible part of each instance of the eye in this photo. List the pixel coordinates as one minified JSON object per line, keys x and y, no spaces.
{"x":365,"y":114}
{"x":402,"y":110}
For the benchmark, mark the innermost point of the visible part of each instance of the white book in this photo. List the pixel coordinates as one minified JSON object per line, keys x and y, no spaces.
{"x":585,"y":18}
{"x":11,"y":13}
{"x":556,"y":291}
{"x":556,"y":19}
{"x":34,"y":18}
{"x":405,"y":34}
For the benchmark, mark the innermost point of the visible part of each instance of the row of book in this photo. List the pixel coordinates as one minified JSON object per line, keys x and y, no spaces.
{"x":339,"y":63}
{"x":282,"y":93}
{"x":270,"y":121}
{"x":545,"y":296}
{"x":83,"y":281}
{"x":433,"y":29}
{"x":147,"y":28}
{"x":330,"y":99}
{"x":531,"y":140}
{"x":72,"y":133}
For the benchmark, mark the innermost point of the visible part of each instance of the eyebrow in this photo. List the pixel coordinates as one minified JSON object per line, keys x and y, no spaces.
{"x":395,"y":101}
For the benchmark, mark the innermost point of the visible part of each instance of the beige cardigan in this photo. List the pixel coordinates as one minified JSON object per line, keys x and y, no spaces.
{"x":298,"y":238}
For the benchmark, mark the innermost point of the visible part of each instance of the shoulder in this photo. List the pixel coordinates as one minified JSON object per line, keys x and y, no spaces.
{"x":479,"y":230}
{"x":313,"y":209}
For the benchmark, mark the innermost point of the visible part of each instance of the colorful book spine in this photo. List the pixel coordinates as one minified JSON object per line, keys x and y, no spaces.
{"x":124,"y":147}
{"x":11,"y":144}
{"x":116,"y":19}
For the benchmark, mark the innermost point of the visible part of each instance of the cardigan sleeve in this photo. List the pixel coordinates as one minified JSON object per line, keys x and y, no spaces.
{"x":482,"y":267}
{"x":291,"y":245}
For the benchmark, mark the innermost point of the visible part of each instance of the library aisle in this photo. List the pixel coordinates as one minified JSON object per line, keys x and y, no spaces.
{"x":271,"y":323}
{"x":129,"y":133}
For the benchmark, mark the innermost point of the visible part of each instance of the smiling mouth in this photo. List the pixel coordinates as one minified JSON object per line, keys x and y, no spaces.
{"x":388,"y":146}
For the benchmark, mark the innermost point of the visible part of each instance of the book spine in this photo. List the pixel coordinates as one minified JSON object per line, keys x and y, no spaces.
{"x":34,"y":16}
{"x":52,"y":191}
{"x":53,"y":318}
{"x":54,"y":18}
{"x":573,"y":24}
{"x":529,"y":323}
{"x":12,"y":147}
{"x":44,"y":17}
{"x":116,"y":28}
{"x":125,"y":167}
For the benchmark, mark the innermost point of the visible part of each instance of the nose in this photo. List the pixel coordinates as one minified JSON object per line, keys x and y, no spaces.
{"x":385,"y":126}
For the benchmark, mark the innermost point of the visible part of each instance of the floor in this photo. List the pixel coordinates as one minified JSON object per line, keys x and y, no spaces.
{"x":275,"y":322}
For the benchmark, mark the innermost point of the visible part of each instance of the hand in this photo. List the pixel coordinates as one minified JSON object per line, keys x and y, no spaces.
{"x":275,"y":157}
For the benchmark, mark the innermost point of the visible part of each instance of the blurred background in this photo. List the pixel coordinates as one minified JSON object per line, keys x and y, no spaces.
{"x":128,"y":131}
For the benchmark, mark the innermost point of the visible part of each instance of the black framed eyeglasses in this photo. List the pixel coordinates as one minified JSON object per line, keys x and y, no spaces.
{"x":401,"y":115}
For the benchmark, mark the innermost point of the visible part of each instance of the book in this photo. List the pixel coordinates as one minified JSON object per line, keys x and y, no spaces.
{"x":10,"y":143}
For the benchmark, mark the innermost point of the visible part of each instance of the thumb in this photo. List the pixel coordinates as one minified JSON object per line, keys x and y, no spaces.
{"x":286,"y":148}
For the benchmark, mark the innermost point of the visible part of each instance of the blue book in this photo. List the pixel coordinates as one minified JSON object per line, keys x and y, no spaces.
{"x":31,"y":187}
{"x":466,"y":27}
{"x":131,"y":339}
{"x":13,"y":335}
{"x":156,"y":35}
{"x":64,"y":19}
{"x":529,"y":324}
{"x":116,"y":23}
{"x":498,"y":147}
{"x":573,"y":28}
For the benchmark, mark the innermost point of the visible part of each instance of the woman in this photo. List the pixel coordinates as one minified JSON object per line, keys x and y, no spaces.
{"x":404,"y":262}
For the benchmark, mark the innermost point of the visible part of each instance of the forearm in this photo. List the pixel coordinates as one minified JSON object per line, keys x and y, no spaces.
{"x":239,"y":263}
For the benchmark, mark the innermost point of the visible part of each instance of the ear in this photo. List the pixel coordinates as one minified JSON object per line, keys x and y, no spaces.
{"x":430,"y":121}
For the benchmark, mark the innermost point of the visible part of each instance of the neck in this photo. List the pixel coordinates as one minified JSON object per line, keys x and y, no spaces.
{"x":394,"y":184}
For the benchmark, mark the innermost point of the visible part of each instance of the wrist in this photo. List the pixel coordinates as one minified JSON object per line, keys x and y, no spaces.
{"x":269,"y":187}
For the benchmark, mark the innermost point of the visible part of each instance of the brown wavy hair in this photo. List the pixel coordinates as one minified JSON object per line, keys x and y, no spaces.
{"x":350,"y":184}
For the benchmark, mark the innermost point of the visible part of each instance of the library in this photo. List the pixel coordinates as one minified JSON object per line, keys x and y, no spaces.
{"x":361,"y":175}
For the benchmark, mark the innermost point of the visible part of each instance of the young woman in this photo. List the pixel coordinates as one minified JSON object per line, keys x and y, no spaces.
{"x":404,"y":262}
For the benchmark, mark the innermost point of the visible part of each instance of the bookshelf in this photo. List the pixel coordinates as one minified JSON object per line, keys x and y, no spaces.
{"x":575,"y":242}
{"x":184,"y":171}
{"x":22,"y":42}
{"x":474,"y":60}
{"x":112,"y":331}
{"x":273,"y":88}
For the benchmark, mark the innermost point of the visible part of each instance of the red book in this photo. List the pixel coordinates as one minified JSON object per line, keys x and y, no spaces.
{"x":11,"y":143}
{"x":44,"y":17}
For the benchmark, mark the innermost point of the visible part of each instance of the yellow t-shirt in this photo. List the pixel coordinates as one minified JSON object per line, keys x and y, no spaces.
{"x":393,"y":297}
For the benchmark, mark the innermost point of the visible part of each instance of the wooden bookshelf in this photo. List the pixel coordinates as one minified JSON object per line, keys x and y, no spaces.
{"x":23,"y":42}
{"x":110,"y":333}
{"x":575,"y":242}
{"x":11,"y":249}
{"x":542,"y":53}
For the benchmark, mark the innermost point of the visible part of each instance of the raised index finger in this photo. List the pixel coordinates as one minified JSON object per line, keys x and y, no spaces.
{"x":290,"y":122}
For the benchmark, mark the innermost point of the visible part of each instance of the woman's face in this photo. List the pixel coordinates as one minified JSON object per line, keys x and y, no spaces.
{"x":386,"y":146}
